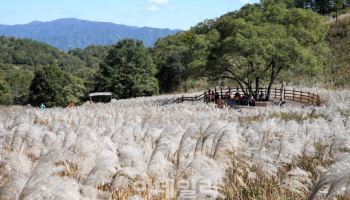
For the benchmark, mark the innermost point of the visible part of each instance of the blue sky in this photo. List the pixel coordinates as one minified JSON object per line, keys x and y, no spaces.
{"x":180,"y":14}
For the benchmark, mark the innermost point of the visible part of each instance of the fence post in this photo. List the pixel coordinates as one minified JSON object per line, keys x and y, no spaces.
{"x":214,"y":97}
{"x":275,"y":93}
{"x":221,"y":92}
{"x":308,"y":97}
{"x":301,"y":96}
{"x":182,"y":98}
{"x":293,"y":93}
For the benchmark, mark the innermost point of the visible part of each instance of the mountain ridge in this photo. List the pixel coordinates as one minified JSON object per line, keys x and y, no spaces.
{"x":71,"y":33}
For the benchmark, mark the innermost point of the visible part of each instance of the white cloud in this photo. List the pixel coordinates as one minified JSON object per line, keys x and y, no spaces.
{"x":152,"y":7}
{"x":245,"y":1}
{"x":155,"y":5}
{"x":159,"y":2}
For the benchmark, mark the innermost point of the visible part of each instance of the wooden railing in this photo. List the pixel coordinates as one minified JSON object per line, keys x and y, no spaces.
{"x":275,"y":93}
{"x":193,"y":98}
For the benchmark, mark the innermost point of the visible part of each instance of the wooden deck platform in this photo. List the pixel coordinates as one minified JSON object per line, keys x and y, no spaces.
{"x":289,"y":95}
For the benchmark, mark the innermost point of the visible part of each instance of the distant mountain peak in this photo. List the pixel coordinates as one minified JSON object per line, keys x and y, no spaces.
{"x":70,"y":33}
{"x":35,"y":22}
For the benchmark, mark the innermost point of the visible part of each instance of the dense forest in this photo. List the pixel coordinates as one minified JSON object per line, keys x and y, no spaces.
{"x":323,"y":7}
{"x":21,"y":59}
{"x":259,"y":44}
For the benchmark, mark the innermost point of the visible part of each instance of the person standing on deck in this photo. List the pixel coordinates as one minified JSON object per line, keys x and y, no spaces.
{"x":282,"y":92}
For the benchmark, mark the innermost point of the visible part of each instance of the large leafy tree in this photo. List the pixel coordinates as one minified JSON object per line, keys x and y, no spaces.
{"x":258,"y":43}
{"x":128,"y":71}
{"x":171,"y":55}
{"x":19,"y":81}
{"x":53,"y":87}
{"x":183,"y":56}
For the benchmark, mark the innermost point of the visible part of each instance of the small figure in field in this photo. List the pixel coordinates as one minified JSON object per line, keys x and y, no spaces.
{"x":227,"y":95}
{"x":251,"y":101}
{"x":42,"y":106}
{"x":217,"y":97}
{"x":237,"y":96}
{"x":282,"y":101}
{"x":262,"y":96}
{"x":212,"y":96}
{"x":282,"y":92}
{"x":245,"y":100}
{"x":71,"y":105}
{"x":221,"y":104}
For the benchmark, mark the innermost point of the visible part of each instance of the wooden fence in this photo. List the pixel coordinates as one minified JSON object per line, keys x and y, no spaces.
{"x":286,"y":94}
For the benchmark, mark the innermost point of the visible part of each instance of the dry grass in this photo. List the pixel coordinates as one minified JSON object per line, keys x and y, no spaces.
{"x":41,"y":121}
{"x":147,"y":192}
{"x":4,"y":177}
{"x":285,"y":116}
{"x":71,"y":169}
{"x":239,"y":185}
{"x":33,"y":157}
{"x":262,"y":153}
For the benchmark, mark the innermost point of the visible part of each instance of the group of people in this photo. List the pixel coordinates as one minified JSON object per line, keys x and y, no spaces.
{"x":246,"y":99}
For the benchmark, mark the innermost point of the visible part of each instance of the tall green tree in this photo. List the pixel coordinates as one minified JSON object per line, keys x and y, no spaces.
{"x":128,"y":71}
{"x":54,"y":87}
{"x":74,"y":89}
{"x":19,"y":81}
{"x":259,"y":43}
{"x":172,"y":55}
{"x":184,"y":56}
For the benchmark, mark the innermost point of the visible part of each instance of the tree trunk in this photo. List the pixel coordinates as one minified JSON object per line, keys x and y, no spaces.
{"x":268,"y":92}
{"x":241,"y":86}
{"x":273,"y":77}
{"x":336,"y":14}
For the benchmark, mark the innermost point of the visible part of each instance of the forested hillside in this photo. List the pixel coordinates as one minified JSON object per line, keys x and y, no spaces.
{"x":19,"y":58}
{"x":33,"y":73}
{"x":322,"y":7}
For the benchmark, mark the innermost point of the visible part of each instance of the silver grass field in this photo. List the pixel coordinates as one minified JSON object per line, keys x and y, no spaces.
{"x":148,"y":148}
